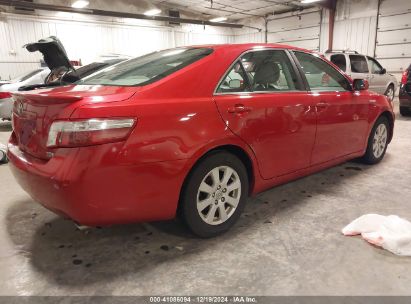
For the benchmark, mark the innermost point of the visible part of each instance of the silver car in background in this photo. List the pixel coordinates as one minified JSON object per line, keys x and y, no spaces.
{"x":29,"y":78}
{"x":359,"y":66}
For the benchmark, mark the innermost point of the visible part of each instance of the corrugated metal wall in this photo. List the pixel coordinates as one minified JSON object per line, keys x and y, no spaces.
{"x":355,"y":26}
{"x":253,"y":31}
{"x":85,"y":39}
{"x":393,"y":47}
{"x":88,"y":39}
{"x":356,"y":29}
{"x":302,"y":29}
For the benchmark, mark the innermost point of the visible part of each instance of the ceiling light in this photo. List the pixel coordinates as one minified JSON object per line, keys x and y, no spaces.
{"x":310,"y":1}
{"x":152,"y":12}
{"x":80,"y":4}
{"x":218,"y":19}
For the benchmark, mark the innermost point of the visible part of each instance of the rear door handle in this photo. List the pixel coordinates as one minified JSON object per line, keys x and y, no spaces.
{"x":239,"y":108}
{"x":322,"y":105}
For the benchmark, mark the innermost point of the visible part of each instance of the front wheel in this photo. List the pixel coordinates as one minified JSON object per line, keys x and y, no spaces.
{"x":214,"y":194}
{"x":377,"y":142}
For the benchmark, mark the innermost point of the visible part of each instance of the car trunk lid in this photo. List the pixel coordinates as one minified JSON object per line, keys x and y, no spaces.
{"x":53,"y":51}
{"x":34,"y":112}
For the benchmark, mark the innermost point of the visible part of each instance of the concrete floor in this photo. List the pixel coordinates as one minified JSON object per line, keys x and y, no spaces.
{"x":288,"y":242}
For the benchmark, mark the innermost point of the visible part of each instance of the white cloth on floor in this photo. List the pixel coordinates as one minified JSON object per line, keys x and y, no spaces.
{"x":389,"y":232}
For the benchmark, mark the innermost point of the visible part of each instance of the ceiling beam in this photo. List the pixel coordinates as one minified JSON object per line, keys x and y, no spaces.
{"x":97,"y":12}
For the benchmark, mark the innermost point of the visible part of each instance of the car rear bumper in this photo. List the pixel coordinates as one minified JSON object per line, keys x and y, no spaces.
{"x":6,"y":107}
{"x":92,"y":188}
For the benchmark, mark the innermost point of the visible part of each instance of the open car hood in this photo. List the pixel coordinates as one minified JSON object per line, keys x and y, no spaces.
{"x":53,"y":51}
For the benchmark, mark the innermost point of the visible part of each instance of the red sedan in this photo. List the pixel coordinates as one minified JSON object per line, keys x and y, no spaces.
{"x":194,"y":129}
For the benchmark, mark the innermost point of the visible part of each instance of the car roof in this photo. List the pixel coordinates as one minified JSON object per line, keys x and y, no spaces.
{"x":248,"y":46}
{"x":348,"y":52}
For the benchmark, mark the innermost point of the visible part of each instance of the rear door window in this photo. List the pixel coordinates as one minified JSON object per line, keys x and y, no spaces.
{"x":339,"y":60}
{"x":261,"y":71}
{"x":235,"y":81}
{"x":358,"y":64}
{"x":270,"y":70}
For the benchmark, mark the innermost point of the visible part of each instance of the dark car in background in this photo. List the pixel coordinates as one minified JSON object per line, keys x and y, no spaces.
{"x":405,"y":92}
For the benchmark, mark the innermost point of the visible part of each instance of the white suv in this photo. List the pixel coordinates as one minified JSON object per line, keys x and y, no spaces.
{"x":359,"y":66}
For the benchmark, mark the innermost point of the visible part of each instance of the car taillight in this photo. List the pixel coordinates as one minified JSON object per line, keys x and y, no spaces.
{"x":5,"y":95}
{"x":404,"y":78}
{"x":88,"y":132}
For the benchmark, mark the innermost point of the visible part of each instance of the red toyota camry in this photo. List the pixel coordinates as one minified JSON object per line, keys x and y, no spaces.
{"x":195,"y":129}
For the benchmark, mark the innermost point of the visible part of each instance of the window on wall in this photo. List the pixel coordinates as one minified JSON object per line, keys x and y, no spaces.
{"x":374,"y":66}
{"x":339,"y":60}
{"x":320,"y":75}
{"x":358,"y":64}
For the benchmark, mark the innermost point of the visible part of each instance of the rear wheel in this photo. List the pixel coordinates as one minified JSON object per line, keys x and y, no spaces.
{"x":390,"y":92}
{"x":3,"y":156}
{"x":214,"y":195}
{"x":377,"y":142}
{"x":404,"y":111}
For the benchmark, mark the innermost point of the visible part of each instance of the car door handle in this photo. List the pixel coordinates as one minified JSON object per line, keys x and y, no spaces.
{"x":239,"y":108}
{"x":322,"y":105}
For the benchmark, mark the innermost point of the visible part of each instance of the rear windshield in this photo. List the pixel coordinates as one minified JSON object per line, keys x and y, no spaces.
{"x":147,"y":69}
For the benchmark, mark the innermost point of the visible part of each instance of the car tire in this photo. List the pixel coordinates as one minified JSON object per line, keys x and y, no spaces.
{"x":390,"y":93}
{"x":377,"y":141}
{"x":214,"y":194}
{"x":404,"y":111}
{"x":3,"y":157}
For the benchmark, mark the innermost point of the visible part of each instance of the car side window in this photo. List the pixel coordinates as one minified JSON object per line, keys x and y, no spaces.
{"x":235,"y":81}
{"x":339,"y":60}
{"x":358,"y":64}
{"x":270,"y":71}
{"x":320,"y":75}
{"x":375,"y":67}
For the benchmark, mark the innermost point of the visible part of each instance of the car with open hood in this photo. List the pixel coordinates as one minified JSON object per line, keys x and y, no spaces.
{"x":60,"y":71}
{"x":191,"y":131}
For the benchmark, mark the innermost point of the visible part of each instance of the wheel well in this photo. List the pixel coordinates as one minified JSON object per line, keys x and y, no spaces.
{"x":235,"y":150}
{"x":390,"y":119}
{"x":391,"y":84}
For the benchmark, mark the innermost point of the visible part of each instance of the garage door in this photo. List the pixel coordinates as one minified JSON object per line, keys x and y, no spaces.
{"x":302,"y":30}
{"x":393,"y":48}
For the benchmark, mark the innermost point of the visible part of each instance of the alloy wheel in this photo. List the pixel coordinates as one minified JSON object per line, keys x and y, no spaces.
{"x":218,"y":195}
{"x":379,"y":140}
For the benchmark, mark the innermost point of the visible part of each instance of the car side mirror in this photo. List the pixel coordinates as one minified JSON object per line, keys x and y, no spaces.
{"x":361,"y":84}
{"x":234,"y":84}
{"x":383,"y":71}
